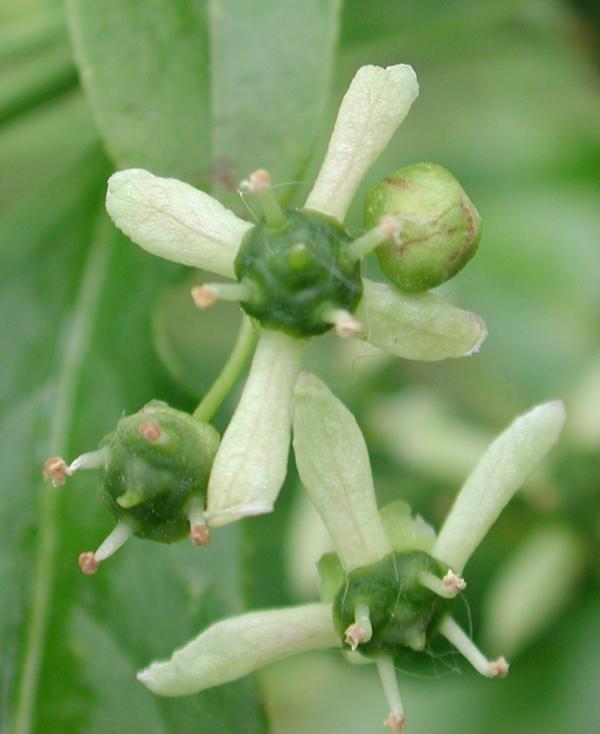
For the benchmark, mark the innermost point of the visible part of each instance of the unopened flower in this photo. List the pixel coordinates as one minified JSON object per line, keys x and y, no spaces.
{"x":439,"y":226}
{"x":391,"y":582}
{"x":298,"y":274}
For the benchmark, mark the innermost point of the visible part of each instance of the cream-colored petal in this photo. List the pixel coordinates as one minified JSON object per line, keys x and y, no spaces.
{"x":235,"y":647}
{"x":251,"y":463}
{"x":174,"y":220}
{"x":375,"y":104}
{"x":418,"y":326}
{"x":500,"y":472}
{"x":333,"y":463}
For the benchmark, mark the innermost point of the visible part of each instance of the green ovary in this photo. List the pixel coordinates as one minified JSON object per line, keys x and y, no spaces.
{"x":297,"y":272}
{"x":403,"y":613}
{"x":151,"y":484}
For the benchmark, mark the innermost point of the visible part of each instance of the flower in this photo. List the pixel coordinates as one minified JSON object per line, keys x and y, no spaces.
{"x":391,"y":582}
{"x":290,"y":254}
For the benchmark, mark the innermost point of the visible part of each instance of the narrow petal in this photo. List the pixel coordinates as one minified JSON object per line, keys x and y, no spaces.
{"x":375,"y":104}
{"x":174,"y":220}
{"x":498,"y":475}
{"x":417,"y":326}
{"x":333,"y":464}
{"x":235,"y":647}
{"x":251,"y":463}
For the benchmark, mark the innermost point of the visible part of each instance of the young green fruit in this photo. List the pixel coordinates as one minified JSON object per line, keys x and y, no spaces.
{"x":297,"y":271}
{"x":439,"y":226}
{"x":157,"y":462}
{"x":403,"y":613}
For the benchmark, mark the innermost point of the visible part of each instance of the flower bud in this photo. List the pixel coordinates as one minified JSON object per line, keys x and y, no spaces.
{"x":157,"y":461}
{"x":440,"y":227}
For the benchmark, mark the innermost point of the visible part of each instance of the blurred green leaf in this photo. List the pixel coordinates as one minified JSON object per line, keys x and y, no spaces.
{"x":271,"y":65}
{"x":207,"y":99}
{"x":144,"y":66}
{"x":80,"y":299}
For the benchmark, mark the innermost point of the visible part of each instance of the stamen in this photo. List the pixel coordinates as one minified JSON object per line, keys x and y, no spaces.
{"x":467,"y":648}
{"x":344,"y":323}
{"x":259,"y":183}
{"x":388,"y":230}
{"x":387,"y":675}
{"x":91,"y":460}
{"x":454,"y":582}
{"x":361,"y":631}
{"x":199,"y":532}
{"x":57,"y":470}
{"x":206,"y":295}
{"x":90,"y":562}
{"x":448,"y":587}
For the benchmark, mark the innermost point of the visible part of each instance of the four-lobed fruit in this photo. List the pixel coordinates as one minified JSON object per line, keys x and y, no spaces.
{"x":403,"y":613}
{"x":158,"y":462}
{"x":297,"y":271}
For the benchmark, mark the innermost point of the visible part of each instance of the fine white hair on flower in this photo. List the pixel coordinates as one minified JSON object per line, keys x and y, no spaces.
{"x":172,"y":219}
{"x":251,"y":463}
{"x":498,"y":475}
{"x":374,"y":106}
{"x":237,"y":646}
{"x":333,"y":463}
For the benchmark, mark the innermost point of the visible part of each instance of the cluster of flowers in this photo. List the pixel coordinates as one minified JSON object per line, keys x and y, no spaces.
{"x":389,"y":585}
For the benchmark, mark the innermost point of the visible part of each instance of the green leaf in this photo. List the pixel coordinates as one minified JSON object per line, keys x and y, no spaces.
{"x":271,"y":66}
{"x":80,"y":355}
{"x":207,"y":102}
{"x":144,"y":66}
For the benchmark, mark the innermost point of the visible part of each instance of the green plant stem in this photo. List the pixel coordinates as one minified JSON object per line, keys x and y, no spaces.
{"x":221,"y":387}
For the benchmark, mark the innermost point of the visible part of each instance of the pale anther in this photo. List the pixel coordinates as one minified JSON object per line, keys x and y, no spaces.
{"x":345,"y":324}
{"x":88,"y":563}
{"x":56,"y":470}
{"x":206,"y":295}
{"x":259,"y":183}
{"x":395,"y":722}
{"x":454,"y":583}
{"x":499,"y":668}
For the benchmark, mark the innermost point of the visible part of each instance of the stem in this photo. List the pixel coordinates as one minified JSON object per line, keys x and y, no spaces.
{"x":221,"y":387}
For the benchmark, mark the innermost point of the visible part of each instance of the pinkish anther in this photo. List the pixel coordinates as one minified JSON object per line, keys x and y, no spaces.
{"x":56,"y":470}
{"x":395,"y":722}
{"x":88,"y":563}
{"x":499,"y":668}
{"x":200,"y":535}
{"x":454,"y":583}
{"x":203,"y":296}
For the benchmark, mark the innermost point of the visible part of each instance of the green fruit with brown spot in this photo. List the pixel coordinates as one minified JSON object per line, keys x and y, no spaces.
{"x":440,"y":227}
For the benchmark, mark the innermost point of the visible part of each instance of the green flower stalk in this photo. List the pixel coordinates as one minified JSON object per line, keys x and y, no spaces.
{"x":389,"y":586}
{"x":297,"y":273}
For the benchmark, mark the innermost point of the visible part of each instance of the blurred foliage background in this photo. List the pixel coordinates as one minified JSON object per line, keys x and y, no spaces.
{"x":91,"y":327}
